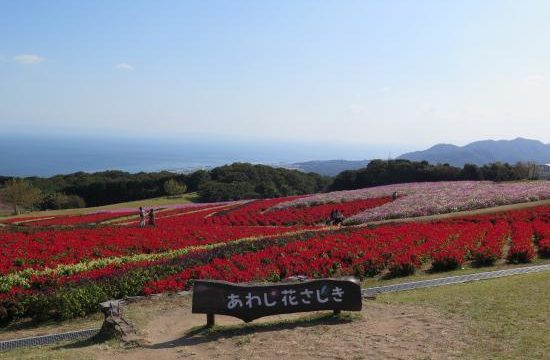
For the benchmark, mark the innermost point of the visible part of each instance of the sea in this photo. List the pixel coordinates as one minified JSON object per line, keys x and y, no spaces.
{"x":46,"y":155}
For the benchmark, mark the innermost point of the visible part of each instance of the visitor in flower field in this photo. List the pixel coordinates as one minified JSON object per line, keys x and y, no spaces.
{"x":394,"y":195}
{"x":330,"y":221}
{"x":336,"y":217}
{"x":141,"y":217}
{"x":152,"y":217}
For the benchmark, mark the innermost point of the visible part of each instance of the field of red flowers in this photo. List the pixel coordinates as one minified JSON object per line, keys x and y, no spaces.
{"x":62,"y":267}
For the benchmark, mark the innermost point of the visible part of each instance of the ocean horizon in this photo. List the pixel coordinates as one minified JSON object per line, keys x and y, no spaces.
{"x":47,"y":155}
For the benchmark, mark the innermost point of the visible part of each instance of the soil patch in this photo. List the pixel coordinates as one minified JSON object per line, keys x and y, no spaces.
{"x":380,"y":331}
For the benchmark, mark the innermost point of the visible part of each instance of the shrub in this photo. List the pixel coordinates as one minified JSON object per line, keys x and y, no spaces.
{"x":521,"y":249}
{"x":174,"y":188}
{"x":544,"y":247}
{"x":447,"y":259}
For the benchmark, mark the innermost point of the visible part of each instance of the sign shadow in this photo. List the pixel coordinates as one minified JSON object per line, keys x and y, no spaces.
{"x":206,"y":334}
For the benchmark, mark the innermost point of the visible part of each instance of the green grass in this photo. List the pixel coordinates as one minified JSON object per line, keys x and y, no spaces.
{"x":67,"y":350}
{"x":466,"y":270}
{"x":27,"y":328}
{"x":160,"y":201}
{"x":506,"y":318}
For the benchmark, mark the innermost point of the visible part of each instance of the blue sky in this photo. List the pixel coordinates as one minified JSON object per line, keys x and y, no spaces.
{"x":412,"y":73}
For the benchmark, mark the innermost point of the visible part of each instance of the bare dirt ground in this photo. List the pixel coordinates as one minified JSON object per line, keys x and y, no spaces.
{"x":380,"y":331}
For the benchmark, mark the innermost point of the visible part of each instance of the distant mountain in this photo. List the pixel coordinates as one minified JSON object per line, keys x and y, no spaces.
{"x":484,"y":152}
{"x":329,"y":167}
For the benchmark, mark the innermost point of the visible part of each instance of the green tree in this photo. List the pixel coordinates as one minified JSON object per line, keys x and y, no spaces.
{"x":20,"y":193}
{"x":174,"y":188}
{"x":470,"y":172}
{"x":62,"y":201}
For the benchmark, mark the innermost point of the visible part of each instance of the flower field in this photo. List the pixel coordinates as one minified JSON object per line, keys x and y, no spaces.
{"x":420,"y":199}
{"x":63,"y":266}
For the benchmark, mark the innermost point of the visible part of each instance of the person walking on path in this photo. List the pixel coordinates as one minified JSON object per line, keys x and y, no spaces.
{"x":152,"y":217}
{"x":141,"y":217}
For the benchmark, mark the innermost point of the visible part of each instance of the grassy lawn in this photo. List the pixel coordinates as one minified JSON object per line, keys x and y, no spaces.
{"x":26,"y":328}
{"x":505,"y":318}
{"x":191,"y":197}
{"x":465,"y":270}
{"x":81,"y":350}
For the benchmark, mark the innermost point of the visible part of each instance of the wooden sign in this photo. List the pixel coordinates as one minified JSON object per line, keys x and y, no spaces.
{"x":250,"y":302}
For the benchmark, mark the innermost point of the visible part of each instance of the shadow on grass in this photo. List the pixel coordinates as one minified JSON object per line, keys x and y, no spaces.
{"x":94,"y":340}
{"x":50,"y":325}
{"x":204,"y":334}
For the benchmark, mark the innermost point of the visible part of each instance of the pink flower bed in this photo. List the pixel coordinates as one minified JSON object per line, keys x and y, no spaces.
{"x":430,"y":198}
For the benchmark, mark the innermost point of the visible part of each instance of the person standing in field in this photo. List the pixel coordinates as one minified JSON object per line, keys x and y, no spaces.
{"x":152,"y":217}
{"x":141,"y":217}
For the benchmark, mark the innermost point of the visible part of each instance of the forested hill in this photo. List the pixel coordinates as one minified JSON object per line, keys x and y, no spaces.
{"x":330,"y":167}
{"x":244,"y":181}
{"x":241,"y":180}
{"x":229,"y":182}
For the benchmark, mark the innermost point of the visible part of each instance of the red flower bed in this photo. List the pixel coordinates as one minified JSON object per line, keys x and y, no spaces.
{"x":364,"y":252}
{"x":49,"y":248}
{"x":521,"y":248}
{"x":78,"y":219}
{"x":490,"y":246}
{"x":399,"y":250}
{"x":258,"y":213}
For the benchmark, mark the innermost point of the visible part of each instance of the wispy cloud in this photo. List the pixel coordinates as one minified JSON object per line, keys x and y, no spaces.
{"x":28,"y":59}
{"x":359,"y":108}
{"x":535,"y":78}
{"x":125,"y":66}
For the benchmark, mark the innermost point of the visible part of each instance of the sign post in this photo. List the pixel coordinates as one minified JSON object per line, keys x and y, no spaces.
{"x":250,"y":302}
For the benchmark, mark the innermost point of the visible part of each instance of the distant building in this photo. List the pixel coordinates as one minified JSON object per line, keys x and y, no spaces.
{"x":540,"y":171}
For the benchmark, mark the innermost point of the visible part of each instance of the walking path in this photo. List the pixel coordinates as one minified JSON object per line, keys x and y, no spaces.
{"x":373,"y":291}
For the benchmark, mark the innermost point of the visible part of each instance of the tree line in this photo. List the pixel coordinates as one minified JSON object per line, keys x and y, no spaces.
{"x":231,"y":182}
{"x":385,"y":172}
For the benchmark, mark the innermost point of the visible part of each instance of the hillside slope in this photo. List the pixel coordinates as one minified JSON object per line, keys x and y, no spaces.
{"x":484,"y":152}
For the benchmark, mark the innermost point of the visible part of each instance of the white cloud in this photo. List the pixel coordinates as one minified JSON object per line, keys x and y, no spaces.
{"x":28,"y":59}
{"x":428,"y":108}
{"x":125,"y":66}
{"x":535,"y":78}
{"x":359,"y":108}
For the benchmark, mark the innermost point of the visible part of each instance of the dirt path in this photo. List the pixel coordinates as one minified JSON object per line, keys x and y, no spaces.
{"x":380,"y":331}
